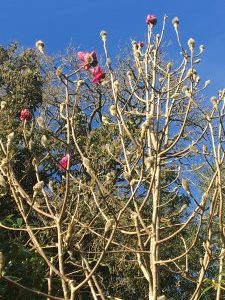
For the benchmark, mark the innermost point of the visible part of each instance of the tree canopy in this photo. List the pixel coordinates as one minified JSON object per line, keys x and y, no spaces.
{"x":111,"y":174}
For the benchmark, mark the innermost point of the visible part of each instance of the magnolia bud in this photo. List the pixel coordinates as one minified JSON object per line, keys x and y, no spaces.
{"x":40,"y":122}
{"x":129,"y":74}
{"x":193,"y":149}
{"x":201,"y":48}
{"x":207,"y":83}
{"x":58,"y":72}
{"x":169,"y":66}
{"x":108,"y":61}
{"x":44,"y":141}
{"x":116,"y":83}
{"x":50,"y":185}
{"x":4,"y":163}
{"x":109,"y":225}
{"x":10,"y":139}
{"x":204,"y":149}
{"x":175,"y":22}
{"x":110,"y":176}
{"x":185,"y":186}
{"x":37,"y":188}
{"x":105,"y":120}
{"x":127,"y":175}
{"x":103,"y":35}
{"x":204,"y":198}
{"x":61,"y":107}
{"x":132,"y":182}
{"x":3,"y":104}
{"x":184,"y":88}
{"x":30,"y":144}
{"x":35,"y":162}
{"x":149,"y":162}
{"x":197,"y":79}
{"x":40,"y":46}
{"x":191,"y":44}
{"x":79,"y":83}
{"x":113,"y":110}
{"x":189,"y":72}
{"x":87,"y":164}
{"x":214,"y":102}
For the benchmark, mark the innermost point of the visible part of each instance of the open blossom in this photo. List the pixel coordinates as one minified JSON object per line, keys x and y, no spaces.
{"x":64,"y":162}
{"x":25,"y":114}
{"x":98,"y":75}
{"x":151,"y":20}
{"x":89,"y":59}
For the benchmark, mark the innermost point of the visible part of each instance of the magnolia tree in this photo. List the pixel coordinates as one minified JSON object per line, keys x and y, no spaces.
{"x":121,"y":196}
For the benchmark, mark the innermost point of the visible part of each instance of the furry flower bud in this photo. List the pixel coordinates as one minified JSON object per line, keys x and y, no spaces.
{"x":103,"y":35}
{"x":175,"y":22}
{"x":214,"y":102}
{"x":3,"y":104}
{"x":191,"y":44}
{"x":44,"y":141}
{"x":113,"y":110}
{"x":40,"y":46}
{"x":41,"y":122}
{"x":10,"y":139}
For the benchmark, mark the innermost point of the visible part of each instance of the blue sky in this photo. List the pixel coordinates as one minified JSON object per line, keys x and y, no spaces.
{"x":58,"y":22}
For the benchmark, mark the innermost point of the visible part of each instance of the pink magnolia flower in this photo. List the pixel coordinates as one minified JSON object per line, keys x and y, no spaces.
{"x":25,"y":114}
{"x":151,"y":20}
{"x":89,"y":59}
{"x":98,"y":75}
{"x":64,"y":162}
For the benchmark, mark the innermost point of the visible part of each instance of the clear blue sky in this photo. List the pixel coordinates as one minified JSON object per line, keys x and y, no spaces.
{"x":58,"y":22}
